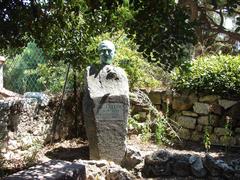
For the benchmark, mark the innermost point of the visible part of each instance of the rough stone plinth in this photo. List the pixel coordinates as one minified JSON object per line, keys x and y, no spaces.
{"x":105,"y":108}
{"x":52,"y":170}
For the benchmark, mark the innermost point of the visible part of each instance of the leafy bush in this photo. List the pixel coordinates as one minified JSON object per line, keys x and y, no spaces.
{"x":214,"y":74}
{"x":52,"y":76}
{"x":20,"y":74}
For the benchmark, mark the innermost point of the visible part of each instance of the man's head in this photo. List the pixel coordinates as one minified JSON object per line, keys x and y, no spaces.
{"x":106,"y":51}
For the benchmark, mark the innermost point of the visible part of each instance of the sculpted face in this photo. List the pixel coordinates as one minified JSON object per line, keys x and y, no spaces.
{"x":106,"y":52}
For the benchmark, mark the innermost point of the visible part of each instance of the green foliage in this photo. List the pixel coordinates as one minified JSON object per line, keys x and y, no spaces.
{"x":52,"y":76}
{"x":216,"y":74}
{"x":228,"y":133}
{"x":156,"y":125}
{"x":140,"y":73}
{"x":20,"y":74}
{"x":161,"y":29}
{"x":206,"y":139}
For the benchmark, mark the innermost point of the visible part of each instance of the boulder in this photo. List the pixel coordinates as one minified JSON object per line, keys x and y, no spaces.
{"x":53,"y":169}
{"x":157,"y":164}
{"x":181,"y":166}
{"x":197,"y":167}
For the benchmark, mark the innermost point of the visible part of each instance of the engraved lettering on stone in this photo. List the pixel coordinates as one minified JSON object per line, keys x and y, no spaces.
{"x":110,"y":111}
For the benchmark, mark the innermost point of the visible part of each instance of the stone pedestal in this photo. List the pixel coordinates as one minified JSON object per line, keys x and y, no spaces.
{"x":105,"y":108}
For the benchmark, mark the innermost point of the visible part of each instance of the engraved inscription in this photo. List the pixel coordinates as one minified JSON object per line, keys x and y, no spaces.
{"x":110,"y":111}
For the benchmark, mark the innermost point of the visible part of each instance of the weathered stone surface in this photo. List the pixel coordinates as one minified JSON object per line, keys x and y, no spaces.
{"x":226,"y":103}
{"x":183,"y":102}
{"x":201,"y":108}
{"x":199,"y":128}
{"x":197,"y":136}
{"x":197,"y":167}
{"x":209,"y":98}
{"x":233,"y":113}
{"x":214,"y":139}
{"x":208,"y":128}
{"x":155,"y":96}
{"x":132,"y":158}
{"x":51,"y":170}
{"x":211,"y":166}
{"x":228,"y":141}
{"x":189,"y":113}
{"x":184,"y":133}
{"x":102,"y":170}
{"x":181,"y":166}
{"x":220,"y":131}
{"x":216,"y":109}
{"x":203,"y":120}
{"x":236,"y":165}
{"x":43,"y":99}
{"x":227,"y":171}
{"x":214,"y":120}
{"x":167,"y":96}
{"x":105,"y":109}
{"x":157,"y":164}
{"x":237,"y":140}
{"x":187,"y":122}
{"x":237,"y":130}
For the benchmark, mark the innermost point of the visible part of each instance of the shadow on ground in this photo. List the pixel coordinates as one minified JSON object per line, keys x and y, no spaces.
{"x":69,"y":154}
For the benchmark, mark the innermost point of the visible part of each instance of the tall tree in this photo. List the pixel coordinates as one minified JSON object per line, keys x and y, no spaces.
{"x":210,"y":19}
{"x":162,"y":29}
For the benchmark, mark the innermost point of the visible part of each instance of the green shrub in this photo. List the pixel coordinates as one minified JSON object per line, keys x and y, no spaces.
{"x":19,"y":74}
{"x":52,"y":76}
{"x":212,"y":74}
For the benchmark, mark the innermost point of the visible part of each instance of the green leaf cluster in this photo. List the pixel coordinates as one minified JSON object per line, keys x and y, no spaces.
{"x":212,"y":74}
{"x":161,"y":29}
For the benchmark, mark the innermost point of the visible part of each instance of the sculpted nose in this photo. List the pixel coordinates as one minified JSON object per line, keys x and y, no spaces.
{"x":106,"y":52}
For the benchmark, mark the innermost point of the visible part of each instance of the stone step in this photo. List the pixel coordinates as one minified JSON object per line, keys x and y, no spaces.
{"x":52,"y":170}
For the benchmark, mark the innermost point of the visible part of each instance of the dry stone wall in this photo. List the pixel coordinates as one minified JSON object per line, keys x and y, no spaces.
{"x":199,"y":114}
{"x":26,"y":124}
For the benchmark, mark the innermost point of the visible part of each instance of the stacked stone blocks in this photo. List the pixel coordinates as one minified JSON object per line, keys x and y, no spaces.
{"x":197,"y":113}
